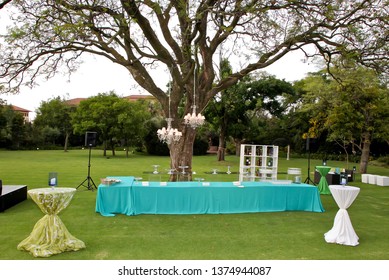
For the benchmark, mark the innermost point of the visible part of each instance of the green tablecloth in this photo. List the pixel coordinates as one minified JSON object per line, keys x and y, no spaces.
{"x":133,"y":198}
{"x":323,"y":184}
{"x":50,"y":236}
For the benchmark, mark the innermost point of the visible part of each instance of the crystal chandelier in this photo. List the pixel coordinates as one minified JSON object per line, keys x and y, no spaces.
{"x":169,"y":135}
{"x":192,"y":119}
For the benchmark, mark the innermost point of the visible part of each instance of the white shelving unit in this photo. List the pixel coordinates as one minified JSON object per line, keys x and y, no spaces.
{"x":258,"y":162}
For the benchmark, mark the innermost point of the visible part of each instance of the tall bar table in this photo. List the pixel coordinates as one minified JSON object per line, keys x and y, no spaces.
{"x":342,"y":231}
{"x":323,"y":184}
{"x":50,"y":235}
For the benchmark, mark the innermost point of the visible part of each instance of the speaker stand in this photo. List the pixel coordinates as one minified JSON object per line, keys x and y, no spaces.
{"x":308,"y":180}
{"x":88,"y":182}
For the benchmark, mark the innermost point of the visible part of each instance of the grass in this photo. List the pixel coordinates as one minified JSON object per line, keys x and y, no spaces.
{"x":278,"y":236}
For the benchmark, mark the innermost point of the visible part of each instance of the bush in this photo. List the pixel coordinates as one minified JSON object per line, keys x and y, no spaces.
{"x":154,"y":146}
{"x":151,"y":141}
{"x":384,"y":160}
{"x":200,"y":147}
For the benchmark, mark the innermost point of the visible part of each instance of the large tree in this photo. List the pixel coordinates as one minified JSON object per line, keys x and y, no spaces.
{"x":55,"y":113}
{"x":238,"y":110}
{"x":101,"y":114}
{"x":352,"y":106}
{"x":131,"y":122}
{"x":185,"y":38}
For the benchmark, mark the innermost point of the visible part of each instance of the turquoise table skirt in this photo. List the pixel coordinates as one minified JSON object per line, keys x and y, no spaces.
{"x":133,"y":198}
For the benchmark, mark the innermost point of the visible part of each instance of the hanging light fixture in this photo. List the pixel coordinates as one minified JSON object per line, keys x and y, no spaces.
{"x":169,"y":135}
{"x":192,"y":119}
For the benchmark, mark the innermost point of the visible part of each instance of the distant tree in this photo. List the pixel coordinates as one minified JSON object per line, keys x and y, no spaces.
{"x":131,"y":122}
{"x":352,"y":105}
{"x":50,"y":134}
{"x":100,"y":114}
{"x":271,"y":97}
{"x":3,"y":120}
{"x":153,"y":145}
{"x":12,"y":127}
{"x":244,"y":108}
{"x":56,"y":114}
{"x":17,"y":130}
{"x":3,"y":123}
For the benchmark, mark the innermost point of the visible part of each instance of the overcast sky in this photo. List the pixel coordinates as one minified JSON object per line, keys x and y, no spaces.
{"x":98,"y":75}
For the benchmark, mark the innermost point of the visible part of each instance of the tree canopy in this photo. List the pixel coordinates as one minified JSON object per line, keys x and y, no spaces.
{"x":353,"y":108}
{"x":113,"y":118}
{"x":185,"y":38}
{"x":55,"y":113}
{"x":238,"y":110}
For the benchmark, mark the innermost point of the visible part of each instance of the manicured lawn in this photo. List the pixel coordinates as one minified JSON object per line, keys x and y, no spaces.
{"x":283,"y":235}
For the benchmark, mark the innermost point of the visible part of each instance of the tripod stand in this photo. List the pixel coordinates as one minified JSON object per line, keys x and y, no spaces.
{"x":90,"y":184}
{"x":308,"y":179}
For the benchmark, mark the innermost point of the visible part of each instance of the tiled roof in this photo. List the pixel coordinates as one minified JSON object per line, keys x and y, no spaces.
{"x":74,"y":101}
{"x":19,"y":109}
{"x":138,"y":96}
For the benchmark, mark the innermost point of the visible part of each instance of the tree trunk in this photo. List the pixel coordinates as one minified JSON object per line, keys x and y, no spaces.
{"x":112,"y":147}
{"x":105,"y":148}
{"x":221,"y":152}
{"x":365,"y":153}
{"x":345,"y":151}
{"x":222,"y":144}
{"x":222,"y":140}
{"x":237,"y":142}
{"x":65,"y":148}
{"x":181,"y":154}
{"x":126,"y":145}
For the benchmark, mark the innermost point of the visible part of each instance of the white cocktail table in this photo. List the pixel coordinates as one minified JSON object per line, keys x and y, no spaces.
{"x":342,"y":231}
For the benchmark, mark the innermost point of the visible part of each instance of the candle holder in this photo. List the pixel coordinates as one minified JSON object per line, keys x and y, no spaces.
{"x":155,"y":169}
{"x":199,"y":180}
{"x":171,"y":171}
{"x":183,"y":175}
{"x":138,"y":180}
{"x":183,"y":167}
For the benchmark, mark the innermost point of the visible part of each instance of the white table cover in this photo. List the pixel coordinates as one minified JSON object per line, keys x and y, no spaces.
{"x":342,"y":231}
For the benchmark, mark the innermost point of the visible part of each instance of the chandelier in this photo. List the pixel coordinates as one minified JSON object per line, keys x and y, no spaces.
{"x":169,"y":135}
{"x":192,"y":119}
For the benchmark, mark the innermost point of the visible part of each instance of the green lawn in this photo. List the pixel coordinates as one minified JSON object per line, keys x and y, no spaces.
{"x":280,"y":236}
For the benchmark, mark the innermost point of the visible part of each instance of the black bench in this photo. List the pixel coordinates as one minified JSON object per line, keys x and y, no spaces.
{"x":12,"y":195}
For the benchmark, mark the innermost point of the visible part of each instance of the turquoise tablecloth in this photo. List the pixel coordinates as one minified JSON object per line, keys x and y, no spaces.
{"x":116,"y":198}
{"x":132,"y":198}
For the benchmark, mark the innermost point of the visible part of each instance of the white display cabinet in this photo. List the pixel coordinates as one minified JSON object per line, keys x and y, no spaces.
{"x":258,"y":162}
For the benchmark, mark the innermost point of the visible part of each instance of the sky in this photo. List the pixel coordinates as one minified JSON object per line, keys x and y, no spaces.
{"x":99,"y":75}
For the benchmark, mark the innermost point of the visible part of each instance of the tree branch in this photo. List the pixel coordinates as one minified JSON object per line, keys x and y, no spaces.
{"x":3,"y":3}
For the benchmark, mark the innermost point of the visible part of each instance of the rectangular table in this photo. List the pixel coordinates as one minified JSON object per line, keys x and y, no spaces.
{"x":133,"y":198}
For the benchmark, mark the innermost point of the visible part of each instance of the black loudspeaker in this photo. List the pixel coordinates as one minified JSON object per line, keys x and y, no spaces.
{"x":90,"y":139}
{"x":311,"y":145}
